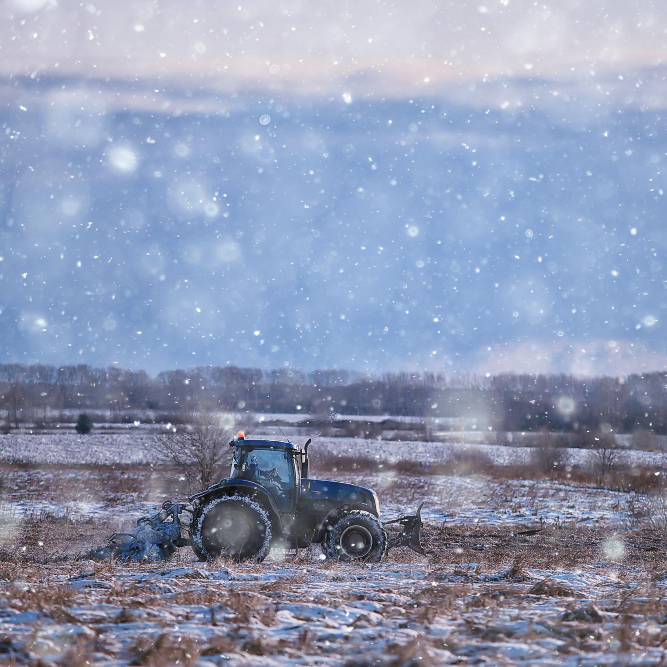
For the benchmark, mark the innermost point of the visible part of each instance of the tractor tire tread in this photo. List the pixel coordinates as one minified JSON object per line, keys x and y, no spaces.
{"x":257,"y":507}
{"x":370,"y":522}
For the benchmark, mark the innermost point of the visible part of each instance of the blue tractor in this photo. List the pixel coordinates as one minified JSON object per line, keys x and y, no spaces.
{"x":270,"y":500}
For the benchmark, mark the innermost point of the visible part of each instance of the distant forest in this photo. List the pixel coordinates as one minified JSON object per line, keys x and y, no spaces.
{"x":502,"y":402}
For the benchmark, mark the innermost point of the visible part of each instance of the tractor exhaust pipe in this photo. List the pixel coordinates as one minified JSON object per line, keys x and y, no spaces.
{"x":305,"y":465}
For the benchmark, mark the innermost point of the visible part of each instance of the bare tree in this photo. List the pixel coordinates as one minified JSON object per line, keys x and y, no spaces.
{"x":15,"y":392}
{"x":606,"y":454}
{"x":201,"y":450}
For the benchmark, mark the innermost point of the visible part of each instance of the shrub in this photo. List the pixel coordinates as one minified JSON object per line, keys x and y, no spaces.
{"x":5,"y":428}
{"x":84,"y":424}
{"x":656,"y":511}
{"x":467,"y":461}
{"x":548,"y":454}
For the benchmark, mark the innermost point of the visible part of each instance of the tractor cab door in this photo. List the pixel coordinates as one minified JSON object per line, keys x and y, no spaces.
{"x":274,"y":469}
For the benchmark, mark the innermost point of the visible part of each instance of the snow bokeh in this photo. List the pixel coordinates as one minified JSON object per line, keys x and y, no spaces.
{"x":481,"y":190}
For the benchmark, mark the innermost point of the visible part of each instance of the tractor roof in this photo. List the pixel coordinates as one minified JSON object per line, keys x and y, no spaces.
{"x":277,"y":444}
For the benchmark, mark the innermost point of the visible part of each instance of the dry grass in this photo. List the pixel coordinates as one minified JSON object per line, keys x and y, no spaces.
{"x":163,"y":651}
{"x":472,"y":600}
{"x":549,"y":588}
{"x":50,"y":538}
{"x":118,"y":482}
{"x":461,"y":462}
{"x":547,"y":463}
{"x":476,"y":581}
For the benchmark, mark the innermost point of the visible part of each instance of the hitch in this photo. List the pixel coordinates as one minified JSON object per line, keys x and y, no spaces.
{"x":410,"y":532}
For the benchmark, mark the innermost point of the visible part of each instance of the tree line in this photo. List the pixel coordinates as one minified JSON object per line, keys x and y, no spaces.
{"x":507,"y":402}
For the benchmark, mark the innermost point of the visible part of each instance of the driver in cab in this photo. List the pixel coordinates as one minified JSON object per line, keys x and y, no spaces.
{"x":255,"y":473}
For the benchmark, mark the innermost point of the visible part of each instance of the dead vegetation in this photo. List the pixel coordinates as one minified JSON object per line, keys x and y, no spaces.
{"x":608,"y":469}
{"x":488,"y":586}
{"x":112,"y":483}
{"x":484,"y":590}
{"x":200,"y":450}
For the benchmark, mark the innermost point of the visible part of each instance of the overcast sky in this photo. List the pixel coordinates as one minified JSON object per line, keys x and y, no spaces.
{"x":366,"y":185}
{"x":400,"y":46}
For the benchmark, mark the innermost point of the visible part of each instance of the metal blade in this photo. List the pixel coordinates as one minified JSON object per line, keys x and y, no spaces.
{"x":410,"y":532}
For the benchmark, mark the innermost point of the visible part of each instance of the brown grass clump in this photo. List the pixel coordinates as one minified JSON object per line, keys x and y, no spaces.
{"x":163,"y":651}
{"x":549,"y":588}
{"x":254,"y":646}
{"x":414,"y":654}
{"x":218,"y":645}
{"x":82,"y":653}
{"x":25,"y":597}
{"x":587,"y":614}
{"x":517,"y":571}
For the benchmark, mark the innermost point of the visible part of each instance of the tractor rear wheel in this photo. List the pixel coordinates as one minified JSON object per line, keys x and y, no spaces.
{"x":357,"y":535}
{"x":234,"y":526}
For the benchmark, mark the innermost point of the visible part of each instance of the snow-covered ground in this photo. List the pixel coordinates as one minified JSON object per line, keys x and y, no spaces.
{"x":478,"y":500}
{"x":474,"y":500}
{"x":67,"y":448}
{"x":419,"y":611}
{"x":516,"y":572}
{"x":81,"y":493}
{"x":438,"y":451}
{"x":138,"y":447}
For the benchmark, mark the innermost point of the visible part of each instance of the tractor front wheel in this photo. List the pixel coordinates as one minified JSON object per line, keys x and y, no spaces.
{"x":357,"y":535}
{"x":234,"y":526}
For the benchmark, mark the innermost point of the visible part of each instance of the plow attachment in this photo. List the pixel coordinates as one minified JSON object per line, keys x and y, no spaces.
{"x":155,"y":538}
{"x":410,"y":532}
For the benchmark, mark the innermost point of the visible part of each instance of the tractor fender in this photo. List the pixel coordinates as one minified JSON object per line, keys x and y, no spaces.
{"x":333,"y":516}
{"x":229,"y":487}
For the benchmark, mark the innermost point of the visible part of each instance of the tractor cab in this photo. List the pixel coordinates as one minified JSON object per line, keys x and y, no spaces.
{"x":276,"y":466}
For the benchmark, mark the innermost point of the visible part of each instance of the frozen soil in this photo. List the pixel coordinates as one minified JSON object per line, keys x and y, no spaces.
{"x":561,"y":596}
{"x":517,"y":571}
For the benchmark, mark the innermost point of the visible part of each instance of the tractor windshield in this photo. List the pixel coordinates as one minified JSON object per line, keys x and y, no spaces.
{"x":272,"y":468}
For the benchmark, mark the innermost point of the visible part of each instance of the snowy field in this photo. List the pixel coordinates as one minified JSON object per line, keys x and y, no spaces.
{"x":517,"y":571}
{"x":138,"y":448}
{"x":479,"y":597}
{"x":122,"y":496}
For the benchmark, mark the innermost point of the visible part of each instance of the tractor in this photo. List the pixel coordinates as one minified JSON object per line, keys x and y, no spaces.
{"x":270,"y":500}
